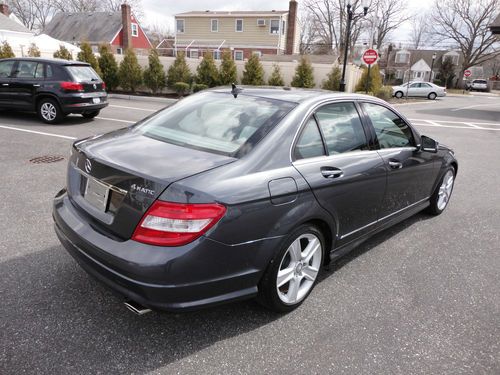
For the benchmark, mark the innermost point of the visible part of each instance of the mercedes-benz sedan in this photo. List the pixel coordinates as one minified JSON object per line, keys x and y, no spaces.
{"x":419,"y":89}
{"x":235,"y":194}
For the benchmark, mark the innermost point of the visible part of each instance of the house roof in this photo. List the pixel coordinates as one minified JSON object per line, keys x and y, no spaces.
{"x":416,"y":55}
{"x":10,"y":25}
{"x":242,"y":13}
{"x":89,"y":26}
{"x":495,"y":26}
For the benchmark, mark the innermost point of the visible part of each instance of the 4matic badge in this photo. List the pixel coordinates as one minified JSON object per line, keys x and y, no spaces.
{"x":142,"y":189}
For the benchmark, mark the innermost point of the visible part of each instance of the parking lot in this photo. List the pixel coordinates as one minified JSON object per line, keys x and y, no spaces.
{"x":420,"y":298}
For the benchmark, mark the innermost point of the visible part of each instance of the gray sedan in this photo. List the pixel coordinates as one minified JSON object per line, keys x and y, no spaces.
{"x":419,"y":89}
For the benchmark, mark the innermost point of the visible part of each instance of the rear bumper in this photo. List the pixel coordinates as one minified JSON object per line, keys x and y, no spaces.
{"x":200,"y":274}
{"x":83,"y":102}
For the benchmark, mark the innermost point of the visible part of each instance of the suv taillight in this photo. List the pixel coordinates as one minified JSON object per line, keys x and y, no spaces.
{"x":72,"y":86}
{"x":176,"y":224}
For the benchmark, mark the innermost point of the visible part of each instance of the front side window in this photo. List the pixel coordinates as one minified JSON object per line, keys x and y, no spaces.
{"x":217,"y":122}
{"x":214,"y":26}
{"x":310,"y":143}
{"x":341,"y":128}
{"x":274,"y":27}
{"x":180,"y":26}
{"x":6,"y":68}
{"x":239,"y":25}
{"x":135,"y":30}
{"x":391,"y":130}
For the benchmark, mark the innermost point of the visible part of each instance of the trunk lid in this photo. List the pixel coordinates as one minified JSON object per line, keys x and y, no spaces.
{"x":113,"y":179}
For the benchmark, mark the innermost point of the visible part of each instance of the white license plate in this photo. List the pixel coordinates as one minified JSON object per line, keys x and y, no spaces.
{"x":96,"y":194}
{"x":96,"y":100}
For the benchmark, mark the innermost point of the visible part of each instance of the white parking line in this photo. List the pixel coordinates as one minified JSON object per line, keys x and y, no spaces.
{"x":115,"y":119}
{"x":37,"y":132}
{"x":136,"y":108}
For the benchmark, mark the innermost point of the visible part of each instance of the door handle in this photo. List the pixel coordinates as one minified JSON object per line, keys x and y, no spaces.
{"x":5,"y":84}
{"x":36,"y":85}
{"x":329,"y":172}
{"x":395,"y":164}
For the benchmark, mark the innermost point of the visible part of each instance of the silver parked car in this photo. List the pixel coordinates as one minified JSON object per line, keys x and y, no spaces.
{"x":422,"y":89}
{"x":478,"y":85}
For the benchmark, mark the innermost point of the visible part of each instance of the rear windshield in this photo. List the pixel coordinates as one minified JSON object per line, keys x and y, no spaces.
{"x":480,"y":81}
{"x":217,"y":122}
{"x":82,"y":73}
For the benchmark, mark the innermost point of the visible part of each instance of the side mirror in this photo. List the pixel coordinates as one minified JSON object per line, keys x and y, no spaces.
{"x":428,"y":144}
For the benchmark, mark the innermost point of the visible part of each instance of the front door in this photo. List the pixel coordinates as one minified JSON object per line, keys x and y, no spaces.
{"x":347,"y":178}
{"x":26,"y":80}
{"x":6,"y":68}
{"x":410,"y":172}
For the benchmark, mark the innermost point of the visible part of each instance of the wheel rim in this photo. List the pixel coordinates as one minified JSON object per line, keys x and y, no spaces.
{"x":299,"y":269}
{"x":432,"y":96}
{"x":445,"y":189}
{"x":48,"y":111}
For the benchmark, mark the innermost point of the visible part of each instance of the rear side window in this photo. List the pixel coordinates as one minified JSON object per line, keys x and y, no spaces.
{"x":341,"y":128}
{"x":391,"y":130}
{"x":310,"y":143}
{"x":6,"y":68}
{"x":82,"y":73}
{"x":217,"y":122}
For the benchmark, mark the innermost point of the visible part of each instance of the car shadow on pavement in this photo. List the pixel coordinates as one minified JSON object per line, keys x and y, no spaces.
{"x":57,"y":319}
{"x":29,"y":118}
{"x":468,"y":115}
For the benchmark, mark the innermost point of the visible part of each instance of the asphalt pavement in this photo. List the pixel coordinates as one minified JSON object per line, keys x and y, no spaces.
{"x":420,"y":298}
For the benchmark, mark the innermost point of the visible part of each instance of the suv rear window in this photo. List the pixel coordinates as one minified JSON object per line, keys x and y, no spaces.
{"x":217,"y":122}
{"x":481,"y":81}
{"x":82,"y":73}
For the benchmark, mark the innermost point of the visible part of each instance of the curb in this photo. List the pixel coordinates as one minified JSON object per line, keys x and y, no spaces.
{"x":141,"y":98}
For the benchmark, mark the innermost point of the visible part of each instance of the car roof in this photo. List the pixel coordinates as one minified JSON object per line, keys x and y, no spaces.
{"x":291,"y":94}
{"x":48,"y":60}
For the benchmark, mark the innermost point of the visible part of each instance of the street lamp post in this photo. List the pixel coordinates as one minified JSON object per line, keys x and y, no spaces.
{"x":350,"y":17}
{"x":432,"y":65}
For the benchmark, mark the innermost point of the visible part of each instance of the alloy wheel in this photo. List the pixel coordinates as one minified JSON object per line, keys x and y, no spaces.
{"x":299,"y":269}
{"x":48,"y":111}
{"x":445,"y":189}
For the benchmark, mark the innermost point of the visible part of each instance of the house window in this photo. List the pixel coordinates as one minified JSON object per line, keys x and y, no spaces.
{"x":283,"y":24}
{"x":238,"y":55}
{"x":402,"y":57}
{"x":417,"y":74}
{"x":193,"y":53}
{"x":399,"y":74}
{"x":119,"y":51}
{"x":452,"y":56}
{"x":216,"y":54}
{"x":135,"y":30}
{"x":214,"y":27}
{"x":239,"y":26}
{"x":180,"y":26}
{"x":274,"y":27}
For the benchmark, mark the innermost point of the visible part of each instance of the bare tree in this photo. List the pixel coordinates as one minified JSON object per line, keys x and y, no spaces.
{"x":157,"y":31}
{"x":32,"y":13}
{"x":330,"y":21}
{"x":388,"y":16}
{"x":308,"y":32}
{"x":419,"y":34}
{"x":466,"y":23}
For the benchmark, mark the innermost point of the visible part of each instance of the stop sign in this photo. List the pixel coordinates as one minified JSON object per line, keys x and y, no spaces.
{"x":467,"y":73}
{"x":370,"y":56}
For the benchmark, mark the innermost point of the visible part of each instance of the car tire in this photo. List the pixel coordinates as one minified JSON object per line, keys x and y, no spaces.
{"x":399,"y":94}
{"x":91,"y":114}
{"x":432,"y":96}
{"x":49,"y":111}
{"x":293,"y":272}
{"x":441,"y":196}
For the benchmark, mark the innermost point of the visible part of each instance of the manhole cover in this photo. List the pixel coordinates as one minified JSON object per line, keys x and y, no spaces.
{"x":46,"y":159}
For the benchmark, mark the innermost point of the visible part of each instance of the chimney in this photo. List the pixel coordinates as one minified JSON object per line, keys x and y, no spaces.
{"x":126,"y":27}
{"x":4,"y":9}
{"x":292,"y":23}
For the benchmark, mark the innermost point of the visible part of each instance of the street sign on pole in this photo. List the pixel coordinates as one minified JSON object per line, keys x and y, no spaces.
{"x":467,"y":73}
{"x":370,"y":56}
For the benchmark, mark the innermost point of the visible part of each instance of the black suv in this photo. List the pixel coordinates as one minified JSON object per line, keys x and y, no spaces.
{"x":53,"y":88}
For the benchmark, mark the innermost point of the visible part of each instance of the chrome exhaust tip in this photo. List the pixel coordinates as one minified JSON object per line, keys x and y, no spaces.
{"x":136,"y":308}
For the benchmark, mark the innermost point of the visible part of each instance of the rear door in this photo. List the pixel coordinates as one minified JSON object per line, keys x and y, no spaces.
{"x":347,"y":178}
{"x":6,"y":68}
{"x":410,"y":172}
{"x":26,"y":80}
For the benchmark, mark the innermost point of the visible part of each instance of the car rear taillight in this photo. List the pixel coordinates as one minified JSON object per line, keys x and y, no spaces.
{"x":72,"y":86}
{"x":176,"y":224}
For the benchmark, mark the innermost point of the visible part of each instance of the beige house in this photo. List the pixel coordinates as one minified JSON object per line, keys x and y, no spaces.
{"x":244,"y":33}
